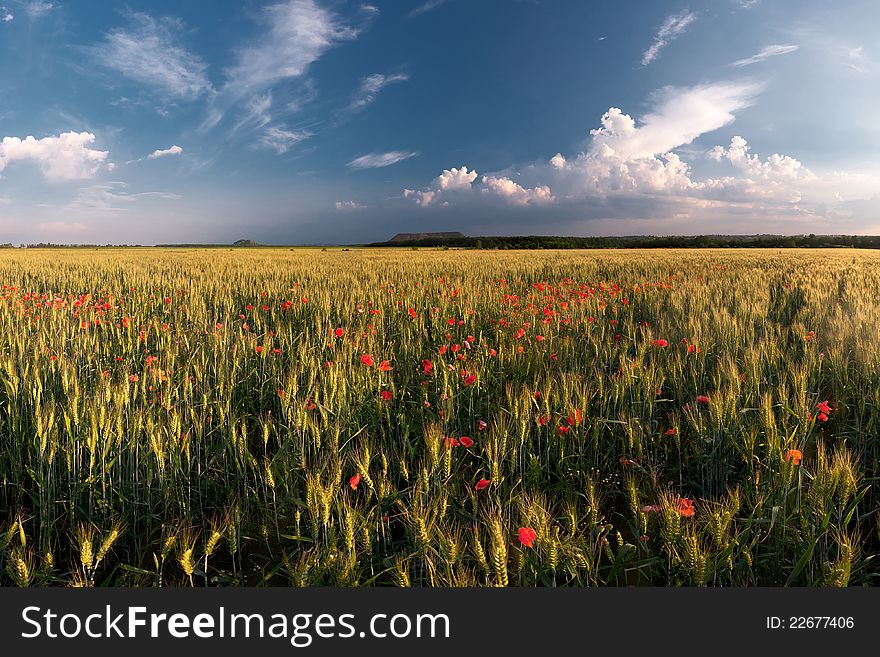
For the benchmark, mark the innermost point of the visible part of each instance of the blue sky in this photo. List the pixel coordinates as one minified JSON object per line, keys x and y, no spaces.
{"x":326,"y":121}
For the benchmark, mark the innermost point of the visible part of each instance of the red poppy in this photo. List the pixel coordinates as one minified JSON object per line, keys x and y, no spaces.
{"x":671,"y":432}
{"x":661,"y":343}
{"x":451,"y":441}
{"x":527,"y":536}
{"x":339,"y":332}
{"x":519,"y":334}
{"x":427,"y":366}
{"x":481,"y":484}
{"x":822,"y":417}
{"x":794,"y":456}
{"x":465,"y":441}
{"x":386,"y":395}
{"x":259,"y":350}
{"x":823,"y":407}
{"x":686,"y":507}
{"x":385,"y":366}
{"x":354,"y":481}
{"x":469,"y":380}
{"x":367,"y":359}
{"x":702,"y":399}
{"x":481,"y":425}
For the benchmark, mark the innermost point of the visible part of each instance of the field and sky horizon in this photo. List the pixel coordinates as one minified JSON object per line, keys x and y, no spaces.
{"x":485,"y":416}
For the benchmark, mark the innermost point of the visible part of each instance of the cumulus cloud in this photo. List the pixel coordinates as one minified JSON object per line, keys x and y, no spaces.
{"x":379,"y":160}
{"x":766,"y":53}
{"x":174,"y":150}
{"x":630,"y":170}
{"x":299,"y":33}
{"x":672,"y":27}
{"x":6,"y":16}
{"x":681,"y":115}
{"x":281,"y":139}
{"x":149,"y":53}
{"x":370,"y":87}
{"x":459,"y":183}
{"x":67,"y":156}
{"x":775,"y":166}
{"x":347,"y":206}
{"x":515,"y":193}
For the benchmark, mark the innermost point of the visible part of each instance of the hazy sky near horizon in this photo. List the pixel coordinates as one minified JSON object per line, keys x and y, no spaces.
{"x":331,"y":121}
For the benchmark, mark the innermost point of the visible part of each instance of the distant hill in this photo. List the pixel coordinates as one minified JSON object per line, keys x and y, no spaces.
{"x":244,"y":243}
{"x":418,"y":237}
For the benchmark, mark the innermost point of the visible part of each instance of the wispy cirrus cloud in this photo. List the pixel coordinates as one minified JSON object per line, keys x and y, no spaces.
{"x":280,"y":139}
{"x":149,"y":52}
{"x":369,"y":89}
{"x":425,"y":7}
{"x":670,"y":30}
{"x":38,"y":8}
{"x":380,"y":160}
{"x":299,"y":32}
{"x":766,"y":53}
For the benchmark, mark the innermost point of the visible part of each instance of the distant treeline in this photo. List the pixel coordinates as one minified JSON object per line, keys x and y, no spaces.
{"x":650,"y":242}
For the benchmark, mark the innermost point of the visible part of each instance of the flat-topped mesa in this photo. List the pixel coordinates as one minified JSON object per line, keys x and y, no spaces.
{"x":415,"y":237}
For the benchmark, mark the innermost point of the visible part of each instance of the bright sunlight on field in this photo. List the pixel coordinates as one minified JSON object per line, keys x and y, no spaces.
{"x":438,"y":418}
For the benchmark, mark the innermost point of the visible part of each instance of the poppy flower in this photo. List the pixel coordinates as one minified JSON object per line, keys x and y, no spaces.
{"x":481,"y":425}
{"x":465,"y":441}
{"x":670,"y":432}
{"x":702,"y":399}
{"x":133,"y":378}
{"x":823,"y":407}
{"x":526,"y":536}
{"x":481,"y":484}
{"x":451,"y":441}
{"x":661,"y":343}
{"x":822,"y":417}
{"x":385,"y":366}
{"x":339,"y":332}
{"x":794,"y":456}
{"x":386,"y":395}
{"x":685,"y":507}
{"x":469,"y":380}
{"x":519,"y":334}
{"x":367,"y":359}
{"x":259,"y":350}
{"x":692,"y":348}
{"x":355,"y":481}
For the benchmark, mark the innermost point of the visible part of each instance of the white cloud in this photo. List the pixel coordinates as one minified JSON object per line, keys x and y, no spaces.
{"x":775,"y":166}
{"x":281,"y":139}
{"x":451,"y":180}
{"x":149,"y":54}
{"x":346,"y":206}
{"x":38,"y":9}
{"x":860,"y":62}
{"x":672,"y":27}
{"x":515,"y":193}
{"x":6,"y":16}
{"x":174,"y":150}
{"x":766,"y":53}
{"x":426,"y":7}
{"x":299,"y":33}
{"x":681,"y":115}
{"x":370,"y":87}
{"x":65,"y":157}
{"x":379,"y":160}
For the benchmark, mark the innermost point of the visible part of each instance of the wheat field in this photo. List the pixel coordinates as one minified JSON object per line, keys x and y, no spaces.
{"x":302,"y":417}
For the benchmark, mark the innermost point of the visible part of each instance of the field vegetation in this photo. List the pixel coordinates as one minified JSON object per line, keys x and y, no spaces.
{"x":386,"y":417}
